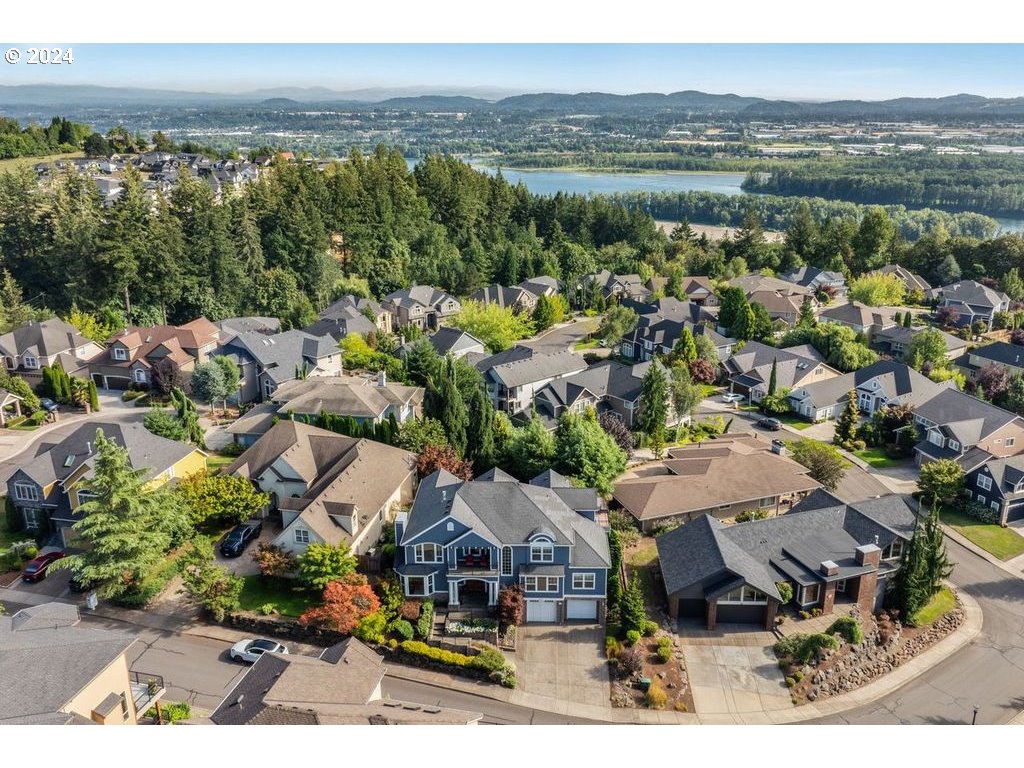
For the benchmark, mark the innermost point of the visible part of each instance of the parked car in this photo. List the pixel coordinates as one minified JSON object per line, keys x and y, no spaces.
{"x":48,"y":405}
{"x":770,"y":423}
{"x":35,"y":570}
{"x":249,"y":651}
{"x":239,"y":537}
{"x":732,"y":397}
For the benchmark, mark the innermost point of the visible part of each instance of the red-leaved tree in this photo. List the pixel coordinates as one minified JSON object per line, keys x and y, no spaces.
{"x":702,"y":372}
{"x":346,"y":601}
{"x":434,"y":457}
{"x":511,"y":604}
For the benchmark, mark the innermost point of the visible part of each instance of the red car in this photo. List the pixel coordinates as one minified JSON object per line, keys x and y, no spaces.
{"x":35,"y":570}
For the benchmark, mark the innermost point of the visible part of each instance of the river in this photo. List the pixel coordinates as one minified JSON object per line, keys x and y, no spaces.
{"x":550,"y":182}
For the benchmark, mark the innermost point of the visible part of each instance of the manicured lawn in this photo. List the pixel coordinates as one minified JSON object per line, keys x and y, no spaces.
{"x":794,"y":421}
{"x":216,"y":462}
{"x":942,"y":603}
{"x":876,"y":458}
{"x":259,"y":591}
{"x":580,"y":345}
{"x":1004,"y":543}
{"x":706,"y":390}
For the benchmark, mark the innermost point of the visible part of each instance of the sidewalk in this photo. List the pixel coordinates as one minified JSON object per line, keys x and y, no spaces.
{"x":603,"y":712}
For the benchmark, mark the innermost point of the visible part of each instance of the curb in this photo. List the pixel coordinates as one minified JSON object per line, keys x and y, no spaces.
{"x":972,"y":547}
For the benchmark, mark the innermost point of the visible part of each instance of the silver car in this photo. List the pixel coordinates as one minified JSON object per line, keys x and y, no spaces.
{"x":249,"y":651}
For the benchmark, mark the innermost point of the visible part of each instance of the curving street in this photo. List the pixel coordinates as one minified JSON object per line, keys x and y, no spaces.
{"x":988,"y":673}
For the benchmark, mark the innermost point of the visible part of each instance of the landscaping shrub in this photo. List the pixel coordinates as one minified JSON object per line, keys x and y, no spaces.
{"x":665,"y":642}
{"x":232,"y":449}
{"x":511,"y":605}
{"x":489,"y":660}
{"x":785,"y":591}
{"x":409,"y":610}
{"x":392,"y":643}
{"x":849,"y":628}
{"x":131,"y":394}
{"x":790,"y":682}
{"x":802,"y":648}
{"x":426,"y":619}
{"x":12,"y":518}
{"x":403,"y":629}
{"x":656,"y":697}
{"x":417,"y":648}
{"x":267,"y":608}
{"x":815,"y":612}
{"x":612,"y":647}
{"x":751,"y":514}
{"x":371,"y":627}
{"x":632,"y":637}
{"x":980,"y":512}
{"x":650,"y":627}
{"x":172,"y":712}
{"x":631,"y":660}
{"x":664,"y":654}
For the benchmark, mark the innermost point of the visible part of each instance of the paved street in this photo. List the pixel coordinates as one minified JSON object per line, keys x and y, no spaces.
{"x":989,"y":672}
{"x":562,"y":337}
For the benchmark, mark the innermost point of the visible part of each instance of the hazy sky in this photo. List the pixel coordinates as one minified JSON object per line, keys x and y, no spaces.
{"x":775,"y":71}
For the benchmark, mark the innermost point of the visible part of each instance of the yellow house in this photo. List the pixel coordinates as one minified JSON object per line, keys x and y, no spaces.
{"x":49,"y":487}
{"x":54,"y":672}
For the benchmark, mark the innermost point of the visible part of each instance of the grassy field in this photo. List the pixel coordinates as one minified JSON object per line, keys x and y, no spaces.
{"x":876,"y":458}
{"x":216,"y":462}
{"x":1004,"y":543}
{"x":942,"y":603}
{"x":14,"y":163}
{"x":581,"y":345}
{"x":707,"y":390}
{"x":795,"y":422}
{"x":259,"y":591}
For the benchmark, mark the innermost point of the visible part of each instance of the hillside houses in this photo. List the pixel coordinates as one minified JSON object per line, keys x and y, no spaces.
{"x":971,"y":301}
{"x":268,"y":361}
{"x":131,"y":355}
{"x":513,"y":377}
{"x":421,"y":305}
{"x":660,"y":325}
{"x":26,"y":350}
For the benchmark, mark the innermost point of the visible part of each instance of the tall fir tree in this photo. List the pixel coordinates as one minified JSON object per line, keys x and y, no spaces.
{"x":773,"y":378}
{"x":653,"y":400}
{"x":480,"y":432}
{"x":846,"y":425}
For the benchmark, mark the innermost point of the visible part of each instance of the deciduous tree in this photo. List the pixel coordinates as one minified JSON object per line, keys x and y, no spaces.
{"x":345,"y":602}
{"x":321,"y":564}
{"x":824,"y":461}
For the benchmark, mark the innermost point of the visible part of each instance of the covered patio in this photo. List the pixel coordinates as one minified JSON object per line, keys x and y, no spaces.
{"x":10,"y":407}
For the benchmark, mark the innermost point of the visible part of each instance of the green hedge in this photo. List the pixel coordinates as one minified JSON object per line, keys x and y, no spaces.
{"x":802,"y":648}
{"x":425,"y":620}
{"x":849,"y":628}
{"x":490,"y":660}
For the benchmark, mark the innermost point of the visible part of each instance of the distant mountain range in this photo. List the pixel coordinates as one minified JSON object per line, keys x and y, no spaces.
{"x":480,"y":99}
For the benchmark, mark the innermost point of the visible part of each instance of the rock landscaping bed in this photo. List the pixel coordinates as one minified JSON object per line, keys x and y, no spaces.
{"x":861,"y":650}
{"x":649,"y":674}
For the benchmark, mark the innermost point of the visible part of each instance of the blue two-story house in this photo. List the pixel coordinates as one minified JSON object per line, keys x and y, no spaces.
{"x":462,"y":542}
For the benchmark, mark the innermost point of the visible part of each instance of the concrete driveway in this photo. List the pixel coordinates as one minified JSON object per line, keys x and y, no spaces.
{"x":564,"y":662}
{"x":733,"y":680}
{"x":244,"y":565}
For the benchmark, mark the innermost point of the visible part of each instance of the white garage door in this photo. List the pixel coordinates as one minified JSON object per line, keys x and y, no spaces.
{"x":542,"y":610}
{"x":581,"y":609}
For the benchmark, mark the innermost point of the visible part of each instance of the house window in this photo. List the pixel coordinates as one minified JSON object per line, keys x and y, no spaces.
{"x":542,"y":553}
{"x":1010,"y":441}
{"x":540,"y":583}
{"x":894,"y":550}
{"x":268,"y":387}
{"x":301,"y":536}
{"x":31,"y":362}
{"x":841,"y":585}
{"x":506,"y":561}
{"x":811,"y":594}
{"x":31,"y":519}
{"x":419,"y":585}
{"x":583,"y":581}
{"x":746,"y":595}
{"x":767,"y":501}
{"x":935,"y":438}
{"x":984,"y":482}
{"x":428,"y":553}
{"x":954,"y":445}
{"x":120,"y":353}
{"x":994,"y":505}
{"x":26,"y":492}
{"x":140,"y":375}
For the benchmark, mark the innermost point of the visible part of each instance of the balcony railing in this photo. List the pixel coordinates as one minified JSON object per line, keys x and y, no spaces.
{"x":146,"y":689}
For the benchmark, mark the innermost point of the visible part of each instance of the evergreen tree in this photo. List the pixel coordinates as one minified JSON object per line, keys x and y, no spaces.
{"x":937,"y":564}
{"x":480,"y":431}
{"x":94,"y":397}
{"x":908,"y":320}
{"x":733,"y":303}
{"x":444,"y":403}
{"x":806,"y":318}
{"x":633,"y":612}
{"x":773,"y":378}
{"x":686,"y":347}
{"x":745,"y":325}
{"x":653,"y":400}
{"x":846,"y":425}
{"x":762,"y":329}
{"x":127,"y":525}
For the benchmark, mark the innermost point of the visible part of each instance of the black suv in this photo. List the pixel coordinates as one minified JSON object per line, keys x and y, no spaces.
{"x":238,"y":538}
{"x":770,"y":423}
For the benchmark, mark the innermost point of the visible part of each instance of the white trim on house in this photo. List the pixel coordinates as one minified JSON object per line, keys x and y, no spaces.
{"x":579,"y":581}
{"x":469,"y":532}
{"x":26,"y":492}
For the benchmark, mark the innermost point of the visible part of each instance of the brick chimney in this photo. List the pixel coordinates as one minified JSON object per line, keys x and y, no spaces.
{"x":868,"y":554}
{"x":828,"y":568}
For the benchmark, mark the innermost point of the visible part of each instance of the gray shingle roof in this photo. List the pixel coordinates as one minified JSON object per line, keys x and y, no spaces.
{"x":46,"y":338}
{"x":966,"y":418}
{"x":900,"y":381}
{"x":506,"y":513}
{"x":45,"y":659}
{"x":454,"y":340}
{"x":1001,"y":352}
{"x":855,"y":313}
{"x":280,"y":353}
{"x":794,"y":544}
{"x":537,"y":366}
{"x":972,"y":292}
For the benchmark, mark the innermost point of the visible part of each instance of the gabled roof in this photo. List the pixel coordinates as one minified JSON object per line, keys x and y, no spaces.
{"x":168,"y":341}
{"x":900,"y":382}
{"x":528,"y":366}
{"x":52,"y":461}
{"x":755,"y":282}
{"x":753,"y":363}
{"x":424,"y":295}
{"x":44,"y":339}
{"x":973,"y":293}
{"x":506,"y":513}
{"x":502,"y":295}
{"x":1000,"y":352}
{"x":911,"y":280}
{"x":345,"y":396}
{"x":705,"y":476}
{"x":279,"y":353}
{"x":540,"y":285}
{"x":454,"y":340}
{"x":855,"y":313}
{"x":607,"y":378}
{"x":46,"y":659}
{"x":898,"y":334}
{"x":234,"y":325}
{"x":810,"y":276}
{"x":344,"y":476}
{"x":789,"y":546}
{"x":966,"y":419}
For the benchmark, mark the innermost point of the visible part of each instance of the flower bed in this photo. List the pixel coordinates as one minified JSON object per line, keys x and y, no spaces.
{"x":470,"y":626}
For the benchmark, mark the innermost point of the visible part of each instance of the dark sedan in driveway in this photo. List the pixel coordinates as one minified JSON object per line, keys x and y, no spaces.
{"x":35,"y":570}
{"x":239,"y":537}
